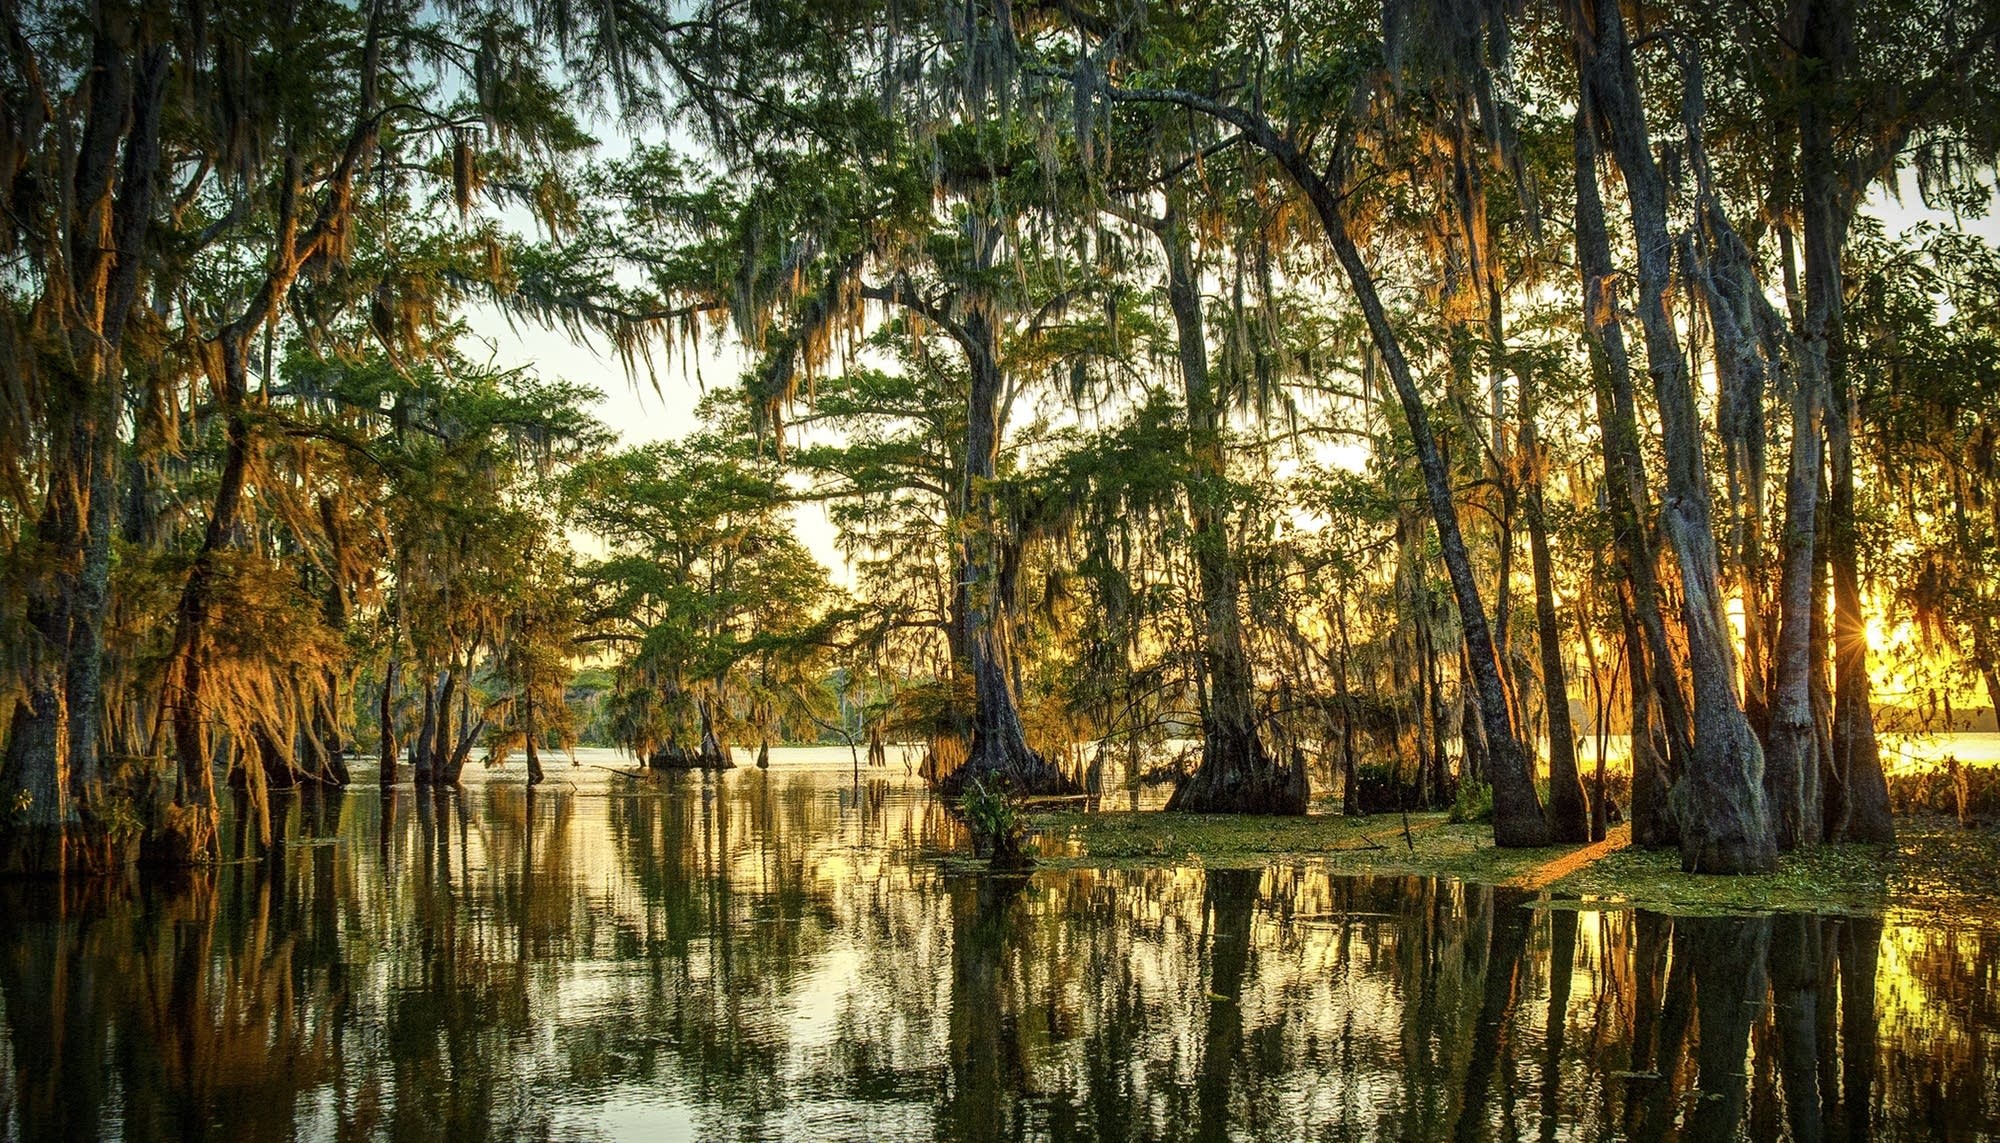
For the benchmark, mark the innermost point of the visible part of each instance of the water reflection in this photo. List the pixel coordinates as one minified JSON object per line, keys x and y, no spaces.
{"x":777,"y":955}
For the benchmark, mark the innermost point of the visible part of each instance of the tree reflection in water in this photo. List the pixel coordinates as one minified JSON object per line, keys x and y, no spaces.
{"x":779,"y":955}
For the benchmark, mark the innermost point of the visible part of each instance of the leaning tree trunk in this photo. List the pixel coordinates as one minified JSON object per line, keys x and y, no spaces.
{"x":1237,"y":774}
{"x":1000,"y":752}
{"x":1517,"y":810}
{"x":1725,"y":823}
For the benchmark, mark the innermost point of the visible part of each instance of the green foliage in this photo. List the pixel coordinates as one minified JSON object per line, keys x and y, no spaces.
{"x":715,"y":608}
{"x":999,"y":828}
{"x":977,"y":288}
{"x":1474,"y":802}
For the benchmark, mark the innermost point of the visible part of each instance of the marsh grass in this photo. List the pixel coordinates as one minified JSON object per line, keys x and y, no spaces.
{"x":1935,"y":868}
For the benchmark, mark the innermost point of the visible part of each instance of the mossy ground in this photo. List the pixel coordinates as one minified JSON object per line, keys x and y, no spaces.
{"x":1935,"y":868}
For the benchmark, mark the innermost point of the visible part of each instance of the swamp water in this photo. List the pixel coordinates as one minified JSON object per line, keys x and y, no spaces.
{"x":781,"y":955}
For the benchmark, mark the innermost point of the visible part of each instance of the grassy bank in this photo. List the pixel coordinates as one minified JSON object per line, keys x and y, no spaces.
{"x":1936,"y":868}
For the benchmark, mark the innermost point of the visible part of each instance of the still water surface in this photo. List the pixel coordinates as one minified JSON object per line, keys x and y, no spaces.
{"x":780,"y":956}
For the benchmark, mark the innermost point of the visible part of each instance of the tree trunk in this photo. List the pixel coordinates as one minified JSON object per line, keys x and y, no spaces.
{"x":468,"y":735}
{"x":1350,"y":802}
{"x":1857,"y":757}
{"x":1474,"y":760}
{"x":1794,"y":778}
{"x":52,"y":761}
{"x":530,"y":741}
{"x":1833,"y":794}
{"x":1569,"y":810}
{"x":1427,"y":727}
{"x":196,"y":795}
{"x":1600,"y":709}
{"x":1791,"y":775}
{"x":1654,"y":763}
{"x":1000,"y":752}
{"x":713,"y":755}
{"x":1517,"y":810}
{"x":420,"y":750}
{"x":387,"y":752}
{"x":1984,"y":662}
{"x":1237,"y":774}
{"x":1725,"y":824}
{"x":441,"y":736}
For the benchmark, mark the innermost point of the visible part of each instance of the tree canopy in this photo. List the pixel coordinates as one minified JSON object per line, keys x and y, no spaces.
{"x":1403,"y":400}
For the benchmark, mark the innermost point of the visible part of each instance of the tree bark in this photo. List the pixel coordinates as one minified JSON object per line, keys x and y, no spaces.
{"x":713,"y":754}
{"x":441,"y":730}
{"x":1792,"y":778}
{"x":1792,"y":772}
{"x":1857,"y":756}
{"x":1653,"y":680}
{"x":420,"y":750}
{"x":1725,"y":826}
{"x":387,"y":752}
{"x":196,"y":794}
{"x":1350,"y":801}
{"x":1861,"y":796}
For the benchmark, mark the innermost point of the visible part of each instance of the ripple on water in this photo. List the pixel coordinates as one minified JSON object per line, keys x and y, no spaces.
{"x":779,"y":955}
